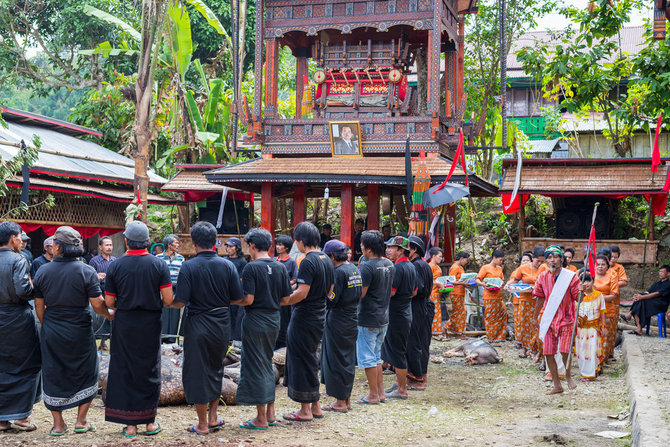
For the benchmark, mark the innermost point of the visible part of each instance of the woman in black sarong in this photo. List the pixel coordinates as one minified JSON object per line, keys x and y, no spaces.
{"x":137,"y":286}
{"x":65,"y":287}
{"x":338,"y":348}
{"x":315,"y":284}
{"x":265,"y":282}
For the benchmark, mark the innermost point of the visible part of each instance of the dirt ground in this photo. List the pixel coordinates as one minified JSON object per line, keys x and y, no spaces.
{"x":502,"y":404}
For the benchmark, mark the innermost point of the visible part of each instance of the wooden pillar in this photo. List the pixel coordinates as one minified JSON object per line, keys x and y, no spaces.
{"x":522,"y":223}
{"x":373,"y":207}
{"x":450,"y":233}
{"x":267,"y":208}
{"x":298,"y":205}
{"x":271,"y":77}
{"x":433,"y":92}
{"x":450,"y":76}
{"x":347,"y":200}
{"x":258,"y":62}
{"x":461,"y":59}
{"x":300,"y":85}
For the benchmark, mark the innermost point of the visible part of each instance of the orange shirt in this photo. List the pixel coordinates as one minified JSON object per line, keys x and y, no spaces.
{"x":619,"y":271}
{"x":488,"y":271}
{"x":528,"y":275}
{"x":608,"y":285}
{"x":456,"y":271}
{"x":437,"y":272}
{"x":572,"y":268}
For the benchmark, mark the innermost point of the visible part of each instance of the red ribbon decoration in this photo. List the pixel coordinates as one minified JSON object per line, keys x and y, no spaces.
{"x":656,"y":153}
{"x":592,"y":251}
{"x":459,"y":156}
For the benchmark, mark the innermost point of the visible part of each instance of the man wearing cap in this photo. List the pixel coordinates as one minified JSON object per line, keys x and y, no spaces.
{"x":556,"y":290}
{"x":236,"y":256}
{"x":20,"y":361}
{"x":170,"y":317}
{"x":101,"y":263}
{"x":423,"y":311}
{"x":338,"y":347}
{"x":137,"y":286}
{"x":24,"y":248}
{"x":64,"y":289}
{"x":46,"y":257}
{"x":394,"y":349}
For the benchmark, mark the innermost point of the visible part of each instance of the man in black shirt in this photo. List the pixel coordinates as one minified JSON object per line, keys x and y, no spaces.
{"x":359,"y":226}
{"x":373,"y":313}
{"x":46,"y":257}
{"x":655,"y":301}
{"x":326,"y":235}
{"x":394,"y":349}
{"x":20,"y":360}
{"x":283,"y":246}
{"x":236,"y":256}
{"x":423,"y":311}
{"x":207,"y":285}
{"x":265,"y":282}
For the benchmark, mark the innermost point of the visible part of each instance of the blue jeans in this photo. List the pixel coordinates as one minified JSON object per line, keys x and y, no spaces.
{"x":369,"y":346}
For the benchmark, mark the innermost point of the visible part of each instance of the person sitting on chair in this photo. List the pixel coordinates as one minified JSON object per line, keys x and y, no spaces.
{"x":654,"y":301}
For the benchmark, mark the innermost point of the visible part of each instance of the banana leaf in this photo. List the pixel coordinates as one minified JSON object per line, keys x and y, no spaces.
{"x":207,"y":13}
{"x":107,"y":17}
{"x":212,"y":102}
{"x":194,"y":113}
{"x":181,"y":41}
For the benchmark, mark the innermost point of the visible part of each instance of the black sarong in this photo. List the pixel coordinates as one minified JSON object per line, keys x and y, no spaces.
{"x":257,"y":378}
{"x":645,"y":309}
{"x":205,"y":347}
{"x":415,"y":341}
{"x":20,"y":362}
{"x":394,"y":349}
{"x":427,"y":334}
{"x":69,"y":358}
{"x":134,"y":379}
{"x":285,"y":319}
{"x":338,"y":351}
{"x":302,"y":363}
{"x":170,"y":324}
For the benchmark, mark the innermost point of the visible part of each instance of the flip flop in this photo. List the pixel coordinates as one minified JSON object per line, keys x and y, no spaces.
{"x":89,"y":427}
{"x":415,"y":388}
{"x":123,"y":430}
{"x":293,"y":416}
{"x":23,"y":427}
{"x":523,"y":356}
{"x":362,"y":400}
{"x":394,"y":395}
{"x":155,"y":432}
{"x":56,"y":433}
{"x":192,"y":429}
{"x":5,"y":427}
{"x":219,"y":423}
{"x":250,"y":426}
{"x":272,"y":424}
{"x":634,"y":333}
{"x":391,"y":388}
{"x":329,"y":407}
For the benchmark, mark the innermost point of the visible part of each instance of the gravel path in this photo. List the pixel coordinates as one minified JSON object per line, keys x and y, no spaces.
{"x":656,"y":352}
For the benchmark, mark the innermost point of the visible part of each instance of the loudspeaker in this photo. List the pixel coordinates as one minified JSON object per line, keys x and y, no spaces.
{"x":574,"y":220}
{"x":229,"y":222}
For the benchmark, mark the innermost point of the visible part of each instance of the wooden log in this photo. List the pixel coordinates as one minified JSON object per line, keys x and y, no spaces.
{"x":628,"y":327}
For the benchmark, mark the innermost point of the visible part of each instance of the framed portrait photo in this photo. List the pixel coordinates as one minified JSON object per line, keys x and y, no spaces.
{"x":345,"y":138}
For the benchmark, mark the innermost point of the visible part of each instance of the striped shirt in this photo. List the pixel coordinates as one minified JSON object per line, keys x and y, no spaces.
{"x":174,"y":264}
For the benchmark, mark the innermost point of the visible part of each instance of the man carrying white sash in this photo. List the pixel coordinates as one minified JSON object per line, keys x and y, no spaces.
{"x":556,"y":290}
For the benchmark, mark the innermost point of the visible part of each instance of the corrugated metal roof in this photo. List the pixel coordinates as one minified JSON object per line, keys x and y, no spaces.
{"x":69,"y":156}
{"x":542,"y":146}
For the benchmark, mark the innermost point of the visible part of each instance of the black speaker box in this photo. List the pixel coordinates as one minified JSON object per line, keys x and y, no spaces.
{"x":228,"y":223}
{"x":574,"y":220}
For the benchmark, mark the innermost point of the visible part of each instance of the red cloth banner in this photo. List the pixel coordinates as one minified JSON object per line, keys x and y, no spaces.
{"x":459,"y":156}
{"x":656,"y":153}
{"x":86,"y":232}
{"x":510,"y":208}
{"x":592,"y":251}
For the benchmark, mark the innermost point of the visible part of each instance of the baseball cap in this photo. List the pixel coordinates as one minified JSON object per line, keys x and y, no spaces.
{"x":48,"y":242}
{"x":137,"y":231}
{"x":234,"y":242}
{"x":24,"y":236}
{"x":334,"y":246}
{"x":68,"y":235}
{"x":399,"y":241}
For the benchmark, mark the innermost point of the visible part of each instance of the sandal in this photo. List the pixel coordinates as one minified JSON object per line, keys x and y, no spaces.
{"x":220,"y":423}
{"x":293,"y":416}
{"x":192,"y":429}
{"x":123,"y":430}
{"x":250,"y":426}
{"x":57,"y":433}
{"x":86,"y":429}
{"x":362,"y":400}
{"x":23,"y":427}
{"x":329,"y":407}
{"x":155,"y":432}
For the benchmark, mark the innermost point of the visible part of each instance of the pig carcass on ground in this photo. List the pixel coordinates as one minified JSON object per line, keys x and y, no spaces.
{"x":476,"y":352}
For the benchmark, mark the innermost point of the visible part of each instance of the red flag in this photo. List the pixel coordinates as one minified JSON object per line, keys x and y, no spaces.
{"x":666,"y":187}
{"x":592,"y":251}
{"x":656,"y":153}
{"x":459,"y":156}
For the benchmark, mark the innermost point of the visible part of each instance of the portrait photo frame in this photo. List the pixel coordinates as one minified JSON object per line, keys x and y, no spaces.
{"x":343,"y":142}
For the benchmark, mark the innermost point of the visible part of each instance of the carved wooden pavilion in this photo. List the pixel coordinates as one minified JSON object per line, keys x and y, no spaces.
{"x":363,"y":51}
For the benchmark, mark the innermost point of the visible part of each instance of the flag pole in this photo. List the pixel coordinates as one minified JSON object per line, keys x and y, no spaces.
{"x":581,"y":292}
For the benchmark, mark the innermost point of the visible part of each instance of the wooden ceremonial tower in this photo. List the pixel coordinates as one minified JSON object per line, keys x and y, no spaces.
{"x":375,"y":63}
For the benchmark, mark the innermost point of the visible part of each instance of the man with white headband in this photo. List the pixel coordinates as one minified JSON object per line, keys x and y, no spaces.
{"x":556,"y":290}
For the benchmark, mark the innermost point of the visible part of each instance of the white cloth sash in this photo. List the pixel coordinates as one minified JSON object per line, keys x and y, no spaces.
{"x":557,"y":293}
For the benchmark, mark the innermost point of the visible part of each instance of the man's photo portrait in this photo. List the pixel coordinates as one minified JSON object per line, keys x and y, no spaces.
{"x":345,"y":138}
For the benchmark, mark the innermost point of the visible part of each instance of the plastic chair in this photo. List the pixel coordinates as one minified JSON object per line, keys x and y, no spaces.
{"x":662,"y":329}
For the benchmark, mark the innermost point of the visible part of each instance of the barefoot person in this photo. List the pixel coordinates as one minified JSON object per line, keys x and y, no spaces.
{"x":394,"y":349}
{"x":458,"y":317}
{"x":207,"y":286}
{"x":315,"y":284}
{"x":20,"y":361}
{"x":338,"y":347}
{"x":496,"y":313}
{"x":137,"y":286}
{"x":265,"y":282}
{"x":591,"y":330}
{"x":373,"y":313}
{"x":65,"y":287}
{"x":556,"y":290}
